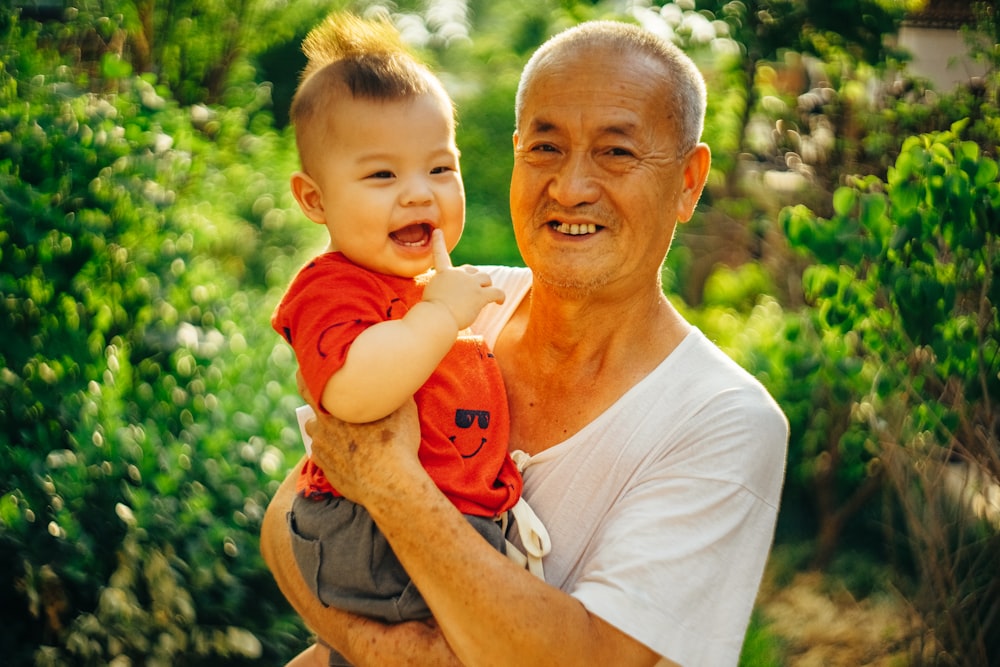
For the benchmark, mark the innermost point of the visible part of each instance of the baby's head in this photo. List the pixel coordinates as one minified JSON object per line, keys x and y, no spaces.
{"x":352,"y":58}
{"x":375,"y":131}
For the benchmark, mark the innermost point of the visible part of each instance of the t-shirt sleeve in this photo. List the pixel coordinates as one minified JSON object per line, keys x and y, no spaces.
{"x":515,"y":283}
{"x":324,"y":311}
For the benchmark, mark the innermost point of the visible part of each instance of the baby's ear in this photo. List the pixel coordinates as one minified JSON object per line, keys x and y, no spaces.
{"x":309,"y":196}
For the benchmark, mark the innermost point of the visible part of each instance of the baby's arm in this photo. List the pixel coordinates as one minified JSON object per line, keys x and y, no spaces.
{"x":390,"y":360}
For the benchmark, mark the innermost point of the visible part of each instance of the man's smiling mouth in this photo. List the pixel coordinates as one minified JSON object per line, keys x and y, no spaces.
{"x":573,"y":230}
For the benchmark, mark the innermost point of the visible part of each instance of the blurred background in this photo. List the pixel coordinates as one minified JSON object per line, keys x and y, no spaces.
{"x":845,"y":252}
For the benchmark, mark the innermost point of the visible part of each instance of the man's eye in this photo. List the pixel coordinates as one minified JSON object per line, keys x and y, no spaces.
{"x":543,"y":148}
{"x":618,"y":151}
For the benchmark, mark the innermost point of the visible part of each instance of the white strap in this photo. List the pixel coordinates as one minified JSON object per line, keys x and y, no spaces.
{"x":531,"y":530}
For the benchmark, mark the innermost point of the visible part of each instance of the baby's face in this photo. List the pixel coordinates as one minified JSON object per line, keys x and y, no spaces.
{"x":389,"y":177}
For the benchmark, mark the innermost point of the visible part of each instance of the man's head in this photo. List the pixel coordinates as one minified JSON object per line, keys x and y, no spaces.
{"x":375,"y":131}
{"x":606,"y":156}
{"x":682,"y":85}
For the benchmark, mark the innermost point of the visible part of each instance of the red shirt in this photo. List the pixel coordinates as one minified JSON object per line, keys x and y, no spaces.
{"x":464,"y":421}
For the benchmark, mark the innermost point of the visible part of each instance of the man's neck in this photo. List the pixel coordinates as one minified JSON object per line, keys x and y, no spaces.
{"x":566,"y":360}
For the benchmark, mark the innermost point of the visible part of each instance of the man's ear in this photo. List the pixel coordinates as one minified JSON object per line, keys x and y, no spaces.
{"x":696,"y":169}
{"x":309,"y":196}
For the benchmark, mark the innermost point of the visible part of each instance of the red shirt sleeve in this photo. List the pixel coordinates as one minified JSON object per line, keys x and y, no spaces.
{"x":327,"y":306}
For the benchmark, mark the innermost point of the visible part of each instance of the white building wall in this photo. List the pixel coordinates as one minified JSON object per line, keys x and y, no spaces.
{"x":939,"y":55}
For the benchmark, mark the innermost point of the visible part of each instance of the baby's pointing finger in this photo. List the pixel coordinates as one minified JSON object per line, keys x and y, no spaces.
{"x":440,"y":251}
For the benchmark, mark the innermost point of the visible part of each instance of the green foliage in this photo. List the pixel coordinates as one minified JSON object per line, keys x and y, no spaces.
{"x":487,"y":121}
{"x":740,"y":288}
{"x":145,"y":233}
{"x":817,"y":376}
{"x":907,"y":270}
{"x":200,"y":50}
{"x":909,"y":266}
{"x":768,"y":27}
{"x":760,"y":647}
{"x":138,"y":427}
{"x":816,"y":123}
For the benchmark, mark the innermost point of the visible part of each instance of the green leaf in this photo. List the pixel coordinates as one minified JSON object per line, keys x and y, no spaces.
{"x":844,"y":200}
{"x":113,"y":67}
{"x":986,"y":173}
{"x":905,"y":197}
{"x":942,"y":152}
{"x":873,"y":209}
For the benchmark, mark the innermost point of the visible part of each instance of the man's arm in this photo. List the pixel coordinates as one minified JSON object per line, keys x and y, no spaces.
{"x":490,"y":611}
{"x":361,"y":640}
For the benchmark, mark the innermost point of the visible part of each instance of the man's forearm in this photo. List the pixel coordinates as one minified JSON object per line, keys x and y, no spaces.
{"x":490,"y":611}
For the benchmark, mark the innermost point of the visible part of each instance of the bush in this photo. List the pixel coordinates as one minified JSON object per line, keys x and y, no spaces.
{"x":139,"y":408}
{"x":907,"y":269}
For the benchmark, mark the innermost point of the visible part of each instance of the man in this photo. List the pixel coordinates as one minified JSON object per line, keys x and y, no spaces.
{"x":655,"y":462}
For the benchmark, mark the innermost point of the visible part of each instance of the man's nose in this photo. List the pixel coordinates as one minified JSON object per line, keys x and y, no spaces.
{"x":576,"y":181}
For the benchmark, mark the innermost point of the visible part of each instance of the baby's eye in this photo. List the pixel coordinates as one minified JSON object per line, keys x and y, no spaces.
{"x":385,"y":173}
{"x":443,"y":169}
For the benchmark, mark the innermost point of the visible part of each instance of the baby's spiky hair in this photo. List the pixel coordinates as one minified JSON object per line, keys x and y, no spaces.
{"x":345,"y":36}
{"x":363,"y":58}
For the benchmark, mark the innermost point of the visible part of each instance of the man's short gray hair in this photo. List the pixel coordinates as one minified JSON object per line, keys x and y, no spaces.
{"x":681,"y":77}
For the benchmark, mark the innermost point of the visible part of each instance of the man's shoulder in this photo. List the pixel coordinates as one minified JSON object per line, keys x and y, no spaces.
{"x":703,"y":358}
{"x":717,"y":389}
{"x":507,"y":275}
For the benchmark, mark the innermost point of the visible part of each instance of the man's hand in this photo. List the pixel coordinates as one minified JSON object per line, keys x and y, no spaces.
{"x":359,"y":457}
{"x":463,"y":290}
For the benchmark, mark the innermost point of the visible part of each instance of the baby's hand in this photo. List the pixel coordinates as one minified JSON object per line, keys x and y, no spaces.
{"x":463,"y":290}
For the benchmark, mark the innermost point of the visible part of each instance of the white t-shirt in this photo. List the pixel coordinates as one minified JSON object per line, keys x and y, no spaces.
{"x":662,"y":510}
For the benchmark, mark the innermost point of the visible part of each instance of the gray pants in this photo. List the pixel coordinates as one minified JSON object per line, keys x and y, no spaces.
{"x":348,"y":564}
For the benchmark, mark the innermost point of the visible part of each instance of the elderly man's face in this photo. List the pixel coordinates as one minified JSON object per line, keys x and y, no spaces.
{"x":597,"y":183}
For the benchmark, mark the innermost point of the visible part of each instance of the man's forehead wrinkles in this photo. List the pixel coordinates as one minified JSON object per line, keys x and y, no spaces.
{"x":617,"y":127}
{"x":541,"y":125}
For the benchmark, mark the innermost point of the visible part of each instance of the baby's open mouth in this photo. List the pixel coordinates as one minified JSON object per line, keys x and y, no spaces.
{"x":413,"y":235}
